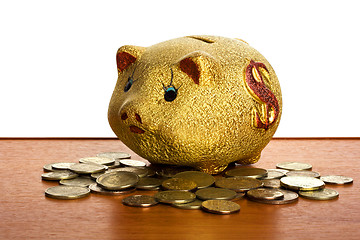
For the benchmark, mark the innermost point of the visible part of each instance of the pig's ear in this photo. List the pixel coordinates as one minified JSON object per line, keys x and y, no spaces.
{"x":127,"y":55}
{"x":200,"y":66}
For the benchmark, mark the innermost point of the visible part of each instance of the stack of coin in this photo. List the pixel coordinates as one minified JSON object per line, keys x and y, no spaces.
{"x":112,"y":173}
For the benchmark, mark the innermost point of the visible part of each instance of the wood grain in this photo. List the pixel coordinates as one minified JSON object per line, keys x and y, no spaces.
{"x":27,"y":214}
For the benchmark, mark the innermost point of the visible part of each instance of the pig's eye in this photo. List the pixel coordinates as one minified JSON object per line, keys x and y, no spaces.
{"x":128,"y":84}
{"x":170,"y":94}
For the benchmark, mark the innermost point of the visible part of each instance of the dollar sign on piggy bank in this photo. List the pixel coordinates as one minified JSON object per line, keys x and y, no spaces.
{"x":198,"y":101}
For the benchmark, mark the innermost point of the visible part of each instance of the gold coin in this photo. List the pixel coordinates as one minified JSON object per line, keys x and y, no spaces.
{"x":67,"y":192}
{"x":215,"y":193}
{"x":291,"y":166}
{"x":87,"y":168}
{"x":265,"y":193}
{"x":62,"y":165}
{"x":220,"y":206}
{"x":95,"y":188}
{"x":150,"y":172}
{"x":149,"y":183}
{"x":273,"y":174}
{"x":289,"y":197}
{"x":114,"y":155}
{"x":271,"y":183}
{"x":302,"y":183}
{"x":196,"y":204}
{"x":141,"y":172}
{"x":169,"y":171}
{"x":336,"y":179}
{"x":58,"y":175}
{"x":79,"y":181}
{"x":247,"y":172}
{"x":202,"y":179}
{"x":175,"y":197}
{"x":179,"y":184}
{"x":132,"y":163}
{"x":322,"y":194}
{"x":98,"y":160}
{"x":140,"y":201}
{"x":239,"y":195}
{"x":238,"y":184}
{"x":117,"y":180}
{"x":303,"y":173}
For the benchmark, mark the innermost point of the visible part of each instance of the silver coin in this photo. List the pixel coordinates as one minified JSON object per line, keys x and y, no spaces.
{"x":58,"y":175}
{"x":62,"y":165}
{"x":302,"y":183}
{"x":271,"y":183}
{"x":303,"y":173}
{"x":322,"y":194}
{"x":279,"y":170}
{"x":273,"y":174}
{"x":336,"y":179}
{"x":79,"y":181}
{"x":98,"y":160}
{"x":291,"y":166}
{"x":116,"y":164}
{"x":87,"y":168}
{"x":67,"y":192}
{"x":48,"y":167}
{"x":114,"y":155}
{"x":94,"y":176}
{"x":132,"y":163}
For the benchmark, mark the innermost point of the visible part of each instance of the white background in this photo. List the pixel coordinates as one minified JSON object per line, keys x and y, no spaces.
{"x":58,"y":70}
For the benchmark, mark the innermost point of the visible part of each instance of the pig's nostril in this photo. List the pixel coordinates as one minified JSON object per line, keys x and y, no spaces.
{"x":138,"y":118}
{"x":124,"y":116}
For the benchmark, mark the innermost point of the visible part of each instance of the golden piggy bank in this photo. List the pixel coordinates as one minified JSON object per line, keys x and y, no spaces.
{"x":199,"y":101}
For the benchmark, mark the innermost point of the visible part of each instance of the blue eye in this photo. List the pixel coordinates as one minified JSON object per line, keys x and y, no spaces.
{"x":128,"y":84}
{"x":170,"y":94}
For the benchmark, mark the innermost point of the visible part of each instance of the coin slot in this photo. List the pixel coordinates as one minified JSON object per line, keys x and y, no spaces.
{"x":204,"y":39}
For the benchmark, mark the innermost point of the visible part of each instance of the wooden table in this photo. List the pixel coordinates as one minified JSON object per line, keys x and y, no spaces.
{"x":27,"y":214}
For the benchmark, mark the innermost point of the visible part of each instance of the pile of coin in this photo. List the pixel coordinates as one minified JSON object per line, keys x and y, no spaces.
{"x":113,"y":173}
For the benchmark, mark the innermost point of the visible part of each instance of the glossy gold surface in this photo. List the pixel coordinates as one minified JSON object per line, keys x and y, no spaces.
{"x":210,"y":123}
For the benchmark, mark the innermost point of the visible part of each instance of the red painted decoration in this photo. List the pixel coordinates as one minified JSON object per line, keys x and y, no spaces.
{"x":138,"y":118}
{"x":124,"y":116}
{"x":136,"y":129}
{"x":124,"y":60}
{"x":191,"y":69}
{"x":258,"y":87}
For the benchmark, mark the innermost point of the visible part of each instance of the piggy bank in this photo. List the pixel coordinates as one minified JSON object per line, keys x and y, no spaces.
{"x":198,"y":101}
